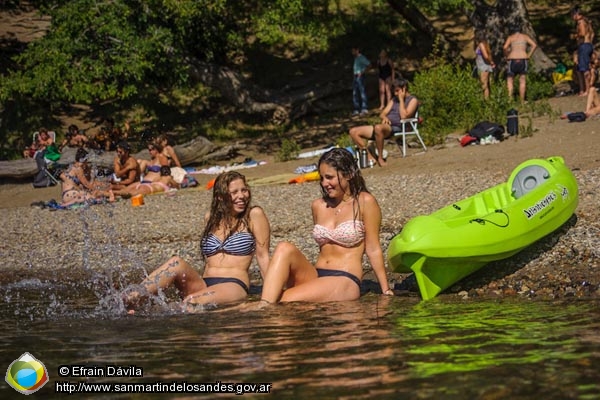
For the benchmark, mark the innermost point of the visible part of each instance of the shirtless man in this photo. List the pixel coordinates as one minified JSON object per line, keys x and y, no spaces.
{"x":126,"y":168}
{"x":515,"y":49}
{"x":585,"y":38}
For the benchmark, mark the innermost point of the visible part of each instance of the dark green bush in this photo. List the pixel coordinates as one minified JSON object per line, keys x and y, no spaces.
{"x":452,"y":100}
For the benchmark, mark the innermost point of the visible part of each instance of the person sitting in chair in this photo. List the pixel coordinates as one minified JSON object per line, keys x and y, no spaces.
{"x":403,"y":105}
{"x":41,"y":142}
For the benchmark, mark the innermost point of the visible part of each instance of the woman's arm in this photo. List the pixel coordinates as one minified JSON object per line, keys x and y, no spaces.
{"x":85,"y":182}
{"x":262,"y":234}
{"x":163,"y":160}
{"x":372,"y":220}
{"x":174,"y":157}
{"x":485,"y":53}
{"x":532,"y":44}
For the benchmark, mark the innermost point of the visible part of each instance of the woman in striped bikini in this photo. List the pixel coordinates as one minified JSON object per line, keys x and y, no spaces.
{"x":347,"y":221}
{"x":234,"y":233}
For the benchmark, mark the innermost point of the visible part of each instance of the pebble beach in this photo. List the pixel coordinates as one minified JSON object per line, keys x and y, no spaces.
{"x":121,"y":243}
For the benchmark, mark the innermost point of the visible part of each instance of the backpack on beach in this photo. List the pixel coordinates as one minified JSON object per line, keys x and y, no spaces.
{"x":576,"y":117}
{"x":485,"y":128}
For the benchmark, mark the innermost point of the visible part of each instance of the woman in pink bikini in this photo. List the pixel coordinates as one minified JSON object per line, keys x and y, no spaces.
{"x":347,"y":221}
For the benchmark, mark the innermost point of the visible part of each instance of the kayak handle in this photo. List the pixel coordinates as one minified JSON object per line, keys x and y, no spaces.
{"x":482,"y":221}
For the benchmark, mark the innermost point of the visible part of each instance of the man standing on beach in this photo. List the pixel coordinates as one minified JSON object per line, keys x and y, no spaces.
{"x":585,"y":37}
{"x":359,"y":94}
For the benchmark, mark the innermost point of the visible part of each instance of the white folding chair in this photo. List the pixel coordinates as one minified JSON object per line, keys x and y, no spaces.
{"x":51,"y":168}
{"x":409,"y":126}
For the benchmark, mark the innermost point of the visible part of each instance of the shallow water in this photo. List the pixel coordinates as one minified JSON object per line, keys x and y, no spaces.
{"x":377,"y":347}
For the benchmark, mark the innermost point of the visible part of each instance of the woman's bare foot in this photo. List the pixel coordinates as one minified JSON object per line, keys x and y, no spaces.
{"x":134,"y":296}
{"x":381,"y":162}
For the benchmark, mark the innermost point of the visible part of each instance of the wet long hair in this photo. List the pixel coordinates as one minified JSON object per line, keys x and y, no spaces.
{"x":346,"y":166}
{"x":221,"y":207}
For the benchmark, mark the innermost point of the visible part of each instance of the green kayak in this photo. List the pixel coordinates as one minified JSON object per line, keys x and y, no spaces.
{"x":457,"y":240}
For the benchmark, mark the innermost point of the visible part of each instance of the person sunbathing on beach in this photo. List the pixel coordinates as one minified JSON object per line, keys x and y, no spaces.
{"x":168,"y":151}
{"x":164,"y":183}
{"x":347,"y":221}
{"x":151,"y":168}
{"x":77,"y":184}
{"x":234,"y":233}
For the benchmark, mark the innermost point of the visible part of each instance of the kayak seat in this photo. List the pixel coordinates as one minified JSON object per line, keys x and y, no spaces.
{"x":528,"y":179}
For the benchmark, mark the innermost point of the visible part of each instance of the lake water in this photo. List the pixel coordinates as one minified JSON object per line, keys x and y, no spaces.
{"x":377,"y":347}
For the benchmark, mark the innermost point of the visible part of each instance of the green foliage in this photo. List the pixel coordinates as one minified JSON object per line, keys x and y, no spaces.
{"x":344,"y":141}
{"x":289,"y":150}
{"x":538,"y":86}
{"x":304,"y":24}
{"x":451,"y":100}
{"x":107,"y":50}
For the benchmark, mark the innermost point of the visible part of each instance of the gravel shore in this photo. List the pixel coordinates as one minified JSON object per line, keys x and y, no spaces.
{"x":116,"y":243}
{"x":121,"y":241}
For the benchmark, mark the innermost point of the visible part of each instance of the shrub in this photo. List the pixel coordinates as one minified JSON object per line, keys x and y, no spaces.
{"x":451,"y":100}
{"x":289,"y":150}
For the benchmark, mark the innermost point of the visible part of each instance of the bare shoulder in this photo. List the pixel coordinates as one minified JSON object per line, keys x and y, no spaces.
{"x":317,"y":203}
{"x":367,"y":198}
{"x":257,"y":212}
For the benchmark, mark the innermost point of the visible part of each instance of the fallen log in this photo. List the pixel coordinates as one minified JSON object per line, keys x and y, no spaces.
{"x":195,"y":152}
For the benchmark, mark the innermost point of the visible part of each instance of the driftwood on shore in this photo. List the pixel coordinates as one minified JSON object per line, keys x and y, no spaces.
{"x":196,"y":152}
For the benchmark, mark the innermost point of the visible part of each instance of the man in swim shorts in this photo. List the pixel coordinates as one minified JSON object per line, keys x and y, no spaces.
{"x":585,"y":37}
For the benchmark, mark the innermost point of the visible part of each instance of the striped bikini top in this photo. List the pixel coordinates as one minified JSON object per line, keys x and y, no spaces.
{"x":346,"y":234}
{"x":238,"y":244}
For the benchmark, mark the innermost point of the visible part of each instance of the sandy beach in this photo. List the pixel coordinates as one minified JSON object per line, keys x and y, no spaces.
{"x":45,"y":244}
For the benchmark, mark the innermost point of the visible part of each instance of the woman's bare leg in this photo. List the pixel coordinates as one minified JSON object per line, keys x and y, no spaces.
{"x":484,"y":77}
{"x":382,"y":131}
{"x":175,"y":271}
{"x":382,"y":94}
{"x":510,"y":86}
{"x":360,"y":135}
{"x":522,"y":87}
{"x":288,"y":266}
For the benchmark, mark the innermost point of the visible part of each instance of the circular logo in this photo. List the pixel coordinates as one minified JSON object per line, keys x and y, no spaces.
{"x":26,"y":374}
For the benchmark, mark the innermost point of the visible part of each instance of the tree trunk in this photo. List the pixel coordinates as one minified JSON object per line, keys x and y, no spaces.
{"x":496,"y":22}
{"x":420,"y":22}
{"x":276,"y":106}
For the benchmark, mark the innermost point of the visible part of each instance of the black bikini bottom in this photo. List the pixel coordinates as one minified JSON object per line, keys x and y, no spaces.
{"x":334,"y":272}
{"x":216,"y":281}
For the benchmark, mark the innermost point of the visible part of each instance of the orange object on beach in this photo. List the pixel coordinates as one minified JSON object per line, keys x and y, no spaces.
{"x":210,"y":184}
{"x":308,"y":177}
{"x":137,"y":200}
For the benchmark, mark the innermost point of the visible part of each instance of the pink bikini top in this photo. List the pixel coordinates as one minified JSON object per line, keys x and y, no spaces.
{"x":346,"y":234}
